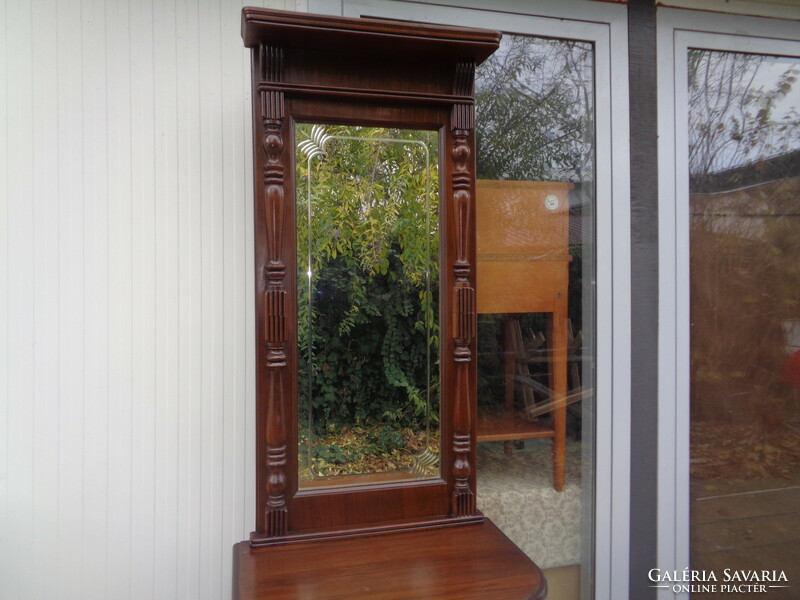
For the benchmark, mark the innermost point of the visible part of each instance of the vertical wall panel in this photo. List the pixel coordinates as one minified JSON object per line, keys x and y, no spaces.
{"x":143,"y":270}
{"x":234,"y":340}
{"x":118,"y":576}
{"x":95,"y":242}
{"x":70,"y":302}
{"x":166,"y":296}
{"x":127,"y":360}
{"x":190,"y":277}
{"x":19,"y":517}
{"x":45,"y":269}
{"x":6,"y":568}
{"x":211,"y":292}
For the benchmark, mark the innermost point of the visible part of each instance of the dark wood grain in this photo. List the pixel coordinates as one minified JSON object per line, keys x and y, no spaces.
{"x":324,"y":32}
{"x":472,"y":562}
{"x":376,"y":94}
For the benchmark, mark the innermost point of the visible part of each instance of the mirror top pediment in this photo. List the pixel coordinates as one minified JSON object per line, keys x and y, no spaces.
{"x":376,"y":36}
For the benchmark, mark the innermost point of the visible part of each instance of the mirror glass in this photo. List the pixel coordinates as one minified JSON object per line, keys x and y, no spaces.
{"x":368,"y":304}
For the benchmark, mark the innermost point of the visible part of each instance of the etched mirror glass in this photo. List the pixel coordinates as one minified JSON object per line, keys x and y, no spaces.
{"x":368,"y":304}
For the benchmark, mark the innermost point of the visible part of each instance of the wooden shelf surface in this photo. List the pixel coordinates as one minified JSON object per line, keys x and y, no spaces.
{"x":469,"y":562}
{"x":501,"y":425}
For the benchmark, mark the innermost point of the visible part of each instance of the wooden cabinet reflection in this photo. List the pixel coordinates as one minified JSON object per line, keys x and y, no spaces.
{"x":523,"y":267}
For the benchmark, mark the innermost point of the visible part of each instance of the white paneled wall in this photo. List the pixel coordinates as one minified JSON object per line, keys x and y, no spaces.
{"x":126,"y":345}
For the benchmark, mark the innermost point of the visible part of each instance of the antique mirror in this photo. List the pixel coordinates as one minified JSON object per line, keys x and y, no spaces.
{"x":366,"y":200}
{"x":365,"y":269}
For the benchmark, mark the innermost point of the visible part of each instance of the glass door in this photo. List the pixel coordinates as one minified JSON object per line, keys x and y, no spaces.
{"x":535,"y":124}
{"x":744,"y":230}
{"x":729,"y":418}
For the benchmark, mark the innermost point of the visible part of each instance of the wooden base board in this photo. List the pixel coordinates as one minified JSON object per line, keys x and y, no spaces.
{"x":364,"y":529}
{"x":471,"y":562}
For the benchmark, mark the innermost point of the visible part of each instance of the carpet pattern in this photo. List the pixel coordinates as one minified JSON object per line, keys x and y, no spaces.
{"x":516,"y":492}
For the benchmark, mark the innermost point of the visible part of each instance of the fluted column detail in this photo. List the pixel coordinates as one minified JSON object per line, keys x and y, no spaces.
{"x":463,"y":293}
{"x":275,"y":336}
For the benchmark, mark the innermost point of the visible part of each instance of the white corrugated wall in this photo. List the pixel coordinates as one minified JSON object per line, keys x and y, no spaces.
{"x":126,"y":345}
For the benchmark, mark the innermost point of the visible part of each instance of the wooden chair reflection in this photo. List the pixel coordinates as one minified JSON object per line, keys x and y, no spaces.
{"x":538,"y":399}
{"x":510,"y":422}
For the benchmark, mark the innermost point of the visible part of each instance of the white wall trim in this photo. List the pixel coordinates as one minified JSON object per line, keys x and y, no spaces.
{"x":677,"y":32}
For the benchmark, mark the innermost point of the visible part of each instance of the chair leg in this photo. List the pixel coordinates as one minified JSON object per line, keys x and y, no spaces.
{"x":558,"y":346}
{"x":510,"y":370}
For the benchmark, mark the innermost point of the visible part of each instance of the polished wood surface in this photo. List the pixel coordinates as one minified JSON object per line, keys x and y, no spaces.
{"x":468,"y":562}
{"x":522,"y":246}
{"x":523,"y":267}
{"x":325,"y":33}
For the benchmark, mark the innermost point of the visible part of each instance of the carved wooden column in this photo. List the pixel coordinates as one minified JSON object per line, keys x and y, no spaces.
{"x":274,"y":212}
{"x":462,"y":210}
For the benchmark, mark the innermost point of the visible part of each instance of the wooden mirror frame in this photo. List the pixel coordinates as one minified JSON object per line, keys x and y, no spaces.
{"x":312,"y":68}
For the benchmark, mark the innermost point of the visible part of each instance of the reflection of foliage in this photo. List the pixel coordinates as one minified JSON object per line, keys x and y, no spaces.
{"x":745,"y":278}
{"x":535,"y":111}
{"x":743,"y":451}
{"x":360,"y":450}
{"x":371,"y":253}
{"x":738,"y":110}
{"x":744,"y":133}
{"x":491,"y":376}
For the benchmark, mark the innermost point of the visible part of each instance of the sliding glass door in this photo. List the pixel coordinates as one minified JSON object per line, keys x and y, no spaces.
{"x":730,"y":306}
{"x":744,"y":230}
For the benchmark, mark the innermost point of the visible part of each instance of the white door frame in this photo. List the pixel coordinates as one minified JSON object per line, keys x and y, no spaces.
{"x":678,"y":31}
{"x":605,"y":25}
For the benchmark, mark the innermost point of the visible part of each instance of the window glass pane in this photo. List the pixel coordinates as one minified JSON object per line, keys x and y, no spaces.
{"x":744,"y":157}
{"x":535,"y":197}
{"x":368,"y":304}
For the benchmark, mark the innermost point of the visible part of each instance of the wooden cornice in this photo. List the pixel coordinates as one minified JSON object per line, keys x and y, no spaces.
{"x":275,"y":27}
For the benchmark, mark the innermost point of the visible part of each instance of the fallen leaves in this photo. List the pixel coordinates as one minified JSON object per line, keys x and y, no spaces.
{"x":357,"y":451}
{"x":744,"y":451}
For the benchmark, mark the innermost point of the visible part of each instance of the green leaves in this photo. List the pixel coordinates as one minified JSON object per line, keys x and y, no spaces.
{"x":534,"y":107}
{"x":368,"y":237}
